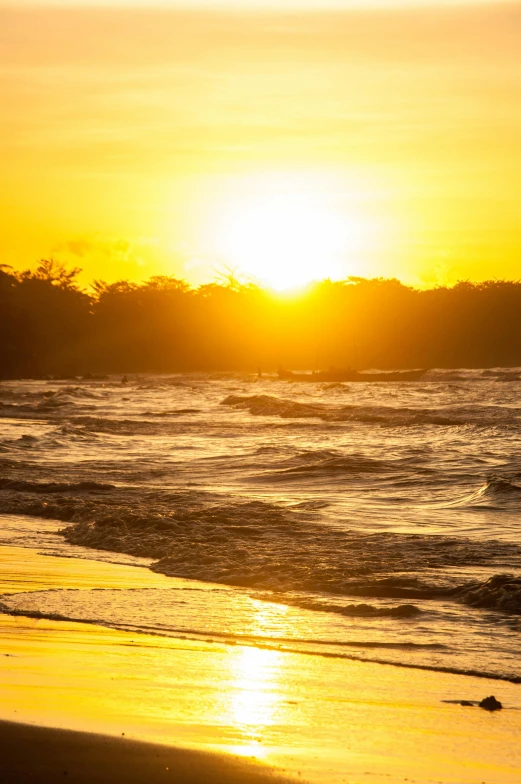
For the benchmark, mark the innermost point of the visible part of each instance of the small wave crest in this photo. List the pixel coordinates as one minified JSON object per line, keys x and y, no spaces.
{"x":131,"y":427}
{"x":496,"y":492}
{"x":323,"y":463}
{"x":52,"y":487}
{"x":356,"y":610}
{"x":268,"y":405}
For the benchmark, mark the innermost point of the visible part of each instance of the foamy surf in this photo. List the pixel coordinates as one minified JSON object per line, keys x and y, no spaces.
{"x":382,"y":523}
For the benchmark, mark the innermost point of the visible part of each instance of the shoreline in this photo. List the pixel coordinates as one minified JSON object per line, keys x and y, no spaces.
{"x":218,"y":704}
{"x":23,"y":567}
{"x":260,"y":642}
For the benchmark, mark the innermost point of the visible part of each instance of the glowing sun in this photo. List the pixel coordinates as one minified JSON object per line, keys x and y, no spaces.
{"x":287,"y":238}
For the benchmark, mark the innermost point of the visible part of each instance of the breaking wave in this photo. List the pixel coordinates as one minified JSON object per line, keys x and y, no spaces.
{"x":501,"y":592}
{"x":267,"y":405}
{"x":264,"y":546}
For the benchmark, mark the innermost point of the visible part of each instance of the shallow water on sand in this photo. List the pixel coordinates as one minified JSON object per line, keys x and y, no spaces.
{"x":371,"y":521}
{"x":322,"y":720}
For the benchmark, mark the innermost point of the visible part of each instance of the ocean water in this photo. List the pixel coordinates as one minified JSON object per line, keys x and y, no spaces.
{"x":368,"y":521}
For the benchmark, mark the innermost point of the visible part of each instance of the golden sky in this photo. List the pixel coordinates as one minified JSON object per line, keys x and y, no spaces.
{"x":344,"y":142}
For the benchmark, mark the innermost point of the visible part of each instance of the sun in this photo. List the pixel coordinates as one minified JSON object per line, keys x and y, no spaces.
{"x":285,"y":237}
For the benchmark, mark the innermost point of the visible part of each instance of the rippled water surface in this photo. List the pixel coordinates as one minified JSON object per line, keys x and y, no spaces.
{"x":376,"y":521}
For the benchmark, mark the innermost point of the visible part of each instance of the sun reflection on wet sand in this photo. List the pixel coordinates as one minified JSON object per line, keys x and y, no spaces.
{"x":255,"y":697}
{"x":255,"y":690}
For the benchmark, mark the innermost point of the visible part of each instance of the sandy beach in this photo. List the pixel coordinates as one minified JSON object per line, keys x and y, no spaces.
{"x":58,"y":755}
{"x":312,"y":718}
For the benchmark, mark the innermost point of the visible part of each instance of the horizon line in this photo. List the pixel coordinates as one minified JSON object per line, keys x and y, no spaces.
{"x":250,"y":282}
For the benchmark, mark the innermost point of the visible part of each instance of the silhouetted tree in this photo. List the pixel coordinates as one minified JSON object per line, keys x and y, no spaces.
{"x":49,"y":325}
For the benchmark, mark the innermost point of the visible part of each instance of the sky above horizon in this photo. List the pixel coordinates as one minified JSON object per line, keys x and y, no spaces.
{"x":288,"y":147}
{"x":243,"y":5}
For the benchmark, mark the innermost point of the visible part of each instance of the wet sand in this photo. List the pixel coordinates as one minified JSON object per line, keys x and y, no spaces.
{"x":37,"y":755}
{"x":315,"y":719}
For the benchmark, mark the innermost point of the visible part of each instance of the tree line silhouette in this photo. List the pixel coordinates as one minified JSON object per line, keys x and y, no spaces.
{"x":50,"y":325}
